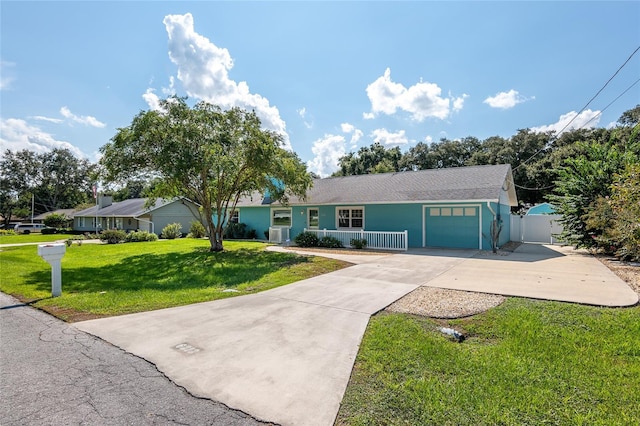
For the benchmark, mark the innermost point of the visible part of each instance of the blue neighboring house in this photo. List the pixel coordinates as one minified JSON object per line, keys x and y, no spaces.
{"x":451,"y":208}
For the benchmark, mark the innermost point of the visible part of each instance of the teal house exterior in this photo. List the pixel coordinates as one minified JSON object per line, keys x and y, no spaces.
{"x":452,"y":208}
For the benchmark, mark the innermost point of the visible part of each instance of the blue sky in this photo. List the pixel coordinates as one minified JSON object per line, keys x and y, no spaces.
{"x":331,"y":76}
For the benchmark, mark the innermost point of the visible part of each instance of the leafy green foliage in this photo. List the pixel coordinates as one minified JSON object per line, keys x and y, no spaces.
{"x":306,"y":239}
{"x":140,"y":236}
{"x":582,"y":181}
{"x":210,"y":156}
{"x":615,"y":221}
{"x":197,"y":230}
{"x":358,"y":243}
{"x":113,"y":236}
{"x":373,"y":159}
{"x":236,"y":231}
{"x":55,"y":179}
{"x":56,"y":220}
{"x":330,"y":242}
{"x":172,"y":231}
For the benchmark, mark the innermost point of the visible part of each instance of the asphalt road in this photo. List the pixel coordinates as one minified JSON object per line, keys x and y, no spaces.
{"x":54,"y":374}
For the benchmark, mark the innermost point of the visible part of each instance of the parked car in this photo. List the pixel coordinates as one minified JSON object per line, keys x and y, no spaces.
{"x":27,"y":228}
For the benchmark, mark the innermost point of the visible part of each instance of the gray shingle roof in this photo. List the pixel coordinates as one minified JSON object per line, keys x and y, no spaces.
{"x":127,"y":208}
{"x":452,"y":184}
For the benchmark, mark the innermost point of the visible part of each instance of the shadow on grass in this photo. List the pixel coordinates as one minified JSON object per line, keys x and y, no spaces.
{"x":172,"y":271}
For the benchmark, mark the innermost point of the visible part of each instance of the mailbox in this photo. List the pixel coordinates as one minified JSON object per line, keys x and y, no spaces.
{"x":53,"y":254}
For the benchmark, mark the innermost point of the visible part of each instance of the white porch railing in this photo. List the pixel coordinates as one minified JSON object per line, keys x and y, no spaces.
{"x":387,"y":240}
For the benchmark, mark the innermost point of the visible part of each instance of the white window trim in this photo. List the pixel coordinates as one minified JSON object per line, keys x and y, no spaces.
{"x":309,"y":218}
{"x":350,"y":216}
{"x":280,"y":208}
{"x":230,"y":215}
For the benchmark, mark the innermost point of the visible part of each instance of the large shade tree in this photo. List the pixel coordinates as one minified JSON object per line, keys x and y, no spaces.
{"x":56,"y":179}
{"x":210,"y":156}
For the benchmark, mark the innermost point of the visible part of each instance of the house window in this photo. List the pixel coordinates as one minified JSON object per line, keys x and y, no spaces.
{"x":118,"y":223}
{"x":280,"y":217}
{"x":81,"y":222}
{"x":314,"y":219}
{"x":234,"y":217}
{"x":351,"y":217}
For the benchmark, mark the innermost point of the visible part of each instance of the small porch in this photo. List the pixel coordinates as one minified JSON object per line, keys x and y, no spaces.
{"x":384,"y":240}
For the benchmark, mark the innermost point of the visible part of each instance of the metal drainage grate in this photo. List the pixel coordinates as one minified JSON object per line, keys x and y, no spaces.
{"x":187,"y":348}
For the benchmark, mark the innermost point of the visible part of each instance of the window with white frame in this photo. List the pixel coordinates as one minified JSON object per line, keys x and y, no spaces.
{"x":280,"y":217}
{"x":314,"y":218}
{"x":234,"y":217}
{"x":351,"y":217}
{"x":81,"y":222}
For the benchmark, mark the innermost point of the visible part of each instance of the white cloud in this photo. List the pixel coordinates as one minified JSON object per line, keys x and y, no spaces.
{"x":388,"y":138}
{"x":16,"y":135}
{"x":152,"y":99}
{"x":203,"y":69}
{"x":356,"y":134}
{"x":87,"y":120}
{"x":458,"y":103}
{"x":6,"y":77}
{"x":327,"y":151}
{"x":428,"y":140}
{"x":422,"y":100}
{"x":49,"y":119}
{"x":302,"y":112}
{"x":506,"y":100}
{"x":586,"y":117}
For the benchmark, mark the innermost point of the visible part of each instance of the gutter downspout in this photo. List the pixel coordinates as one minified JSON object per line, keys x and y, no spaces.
{"x":147,"y":221}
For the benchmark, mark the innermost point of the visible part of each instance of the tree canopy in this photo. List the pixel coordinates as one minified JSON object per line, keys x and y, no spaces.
{"x":56,"y":180}
{"x":209,"y":156}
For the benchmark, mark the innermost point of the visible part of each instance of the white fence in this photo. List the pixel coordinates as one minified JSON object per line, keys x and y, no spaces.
{"x":535,"y":228}
{"x":387,"y":240}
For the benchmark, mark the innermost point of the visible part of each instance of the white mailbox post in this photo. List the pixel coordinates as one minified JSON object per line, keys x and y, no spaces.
{"x":53,"y":254}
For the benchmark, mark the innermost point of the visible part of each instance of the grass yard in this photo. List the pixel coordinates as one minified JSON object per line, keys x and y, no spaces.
{"x":103,"y":280}
{"x":524,"y":362}
{"x":33,"y":238}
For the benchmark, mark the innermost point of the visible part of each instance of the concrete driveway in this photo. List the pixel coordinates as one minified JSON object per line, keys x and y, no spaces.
{"x":285,"y":355}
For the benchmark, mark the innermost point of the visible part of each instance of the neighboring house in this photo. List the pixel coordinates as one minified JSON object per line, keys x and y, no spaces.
{"x":67,"y":212}
{"x":451,"y":207}
{"x":131,"y":215}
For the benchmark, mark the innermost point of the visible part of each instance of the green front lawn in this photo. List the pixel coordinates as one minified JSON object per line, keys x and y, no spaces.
{"x":525,"y":362}
{"x":33,"y":238}
{"x":102,"y":280}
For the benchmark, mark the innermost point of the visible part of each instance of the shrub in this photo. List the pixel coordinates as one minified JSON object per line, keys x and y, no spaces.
{"x":330,"y":242}
{"x":139,"y":236}
{"x":7,"y":232}
{"x":69,"y":242}
{"x":252,"y":234}
{"x":48,"y":231}
{"x":306,"y":239}
{"x":197,"y":230}
{"x":113,"y":236}
{"x":266,"y":235}
{"x":235,"y":231}
{"x":56,"y":220}
{"x":358,"y":243}
{"x":172,"y":231}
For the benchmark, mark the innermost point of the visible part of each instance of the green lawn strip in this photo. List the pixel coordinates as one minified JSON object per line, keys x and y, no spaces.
{"x":103,"y":280}
{"x":525,"y":362}
{"x":33,"y":238}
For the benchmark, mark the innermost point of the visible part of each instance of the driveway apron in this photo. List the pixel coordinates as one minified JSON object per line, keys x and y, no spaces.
{"x":283,"y":355}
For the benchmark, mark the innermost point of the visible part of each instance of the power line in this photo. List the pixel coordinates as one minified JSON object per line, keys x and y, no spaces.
{"x":610,"y":103}
{"x":586,"y":105}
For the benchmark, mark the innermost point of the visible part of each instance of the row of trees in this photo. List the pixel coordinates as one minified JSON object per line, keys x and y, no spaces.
{"x":43,"y":181}
{"x":214,"y":157}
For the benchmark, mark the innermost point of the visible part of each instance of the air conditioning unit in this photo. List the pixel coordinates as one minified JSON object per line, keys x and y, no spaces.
{"x":278,"y":235}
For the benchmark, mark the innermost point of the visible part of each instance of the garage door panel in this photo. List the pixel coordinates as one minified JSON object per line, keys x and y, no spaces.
{"x":455,"y":227}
